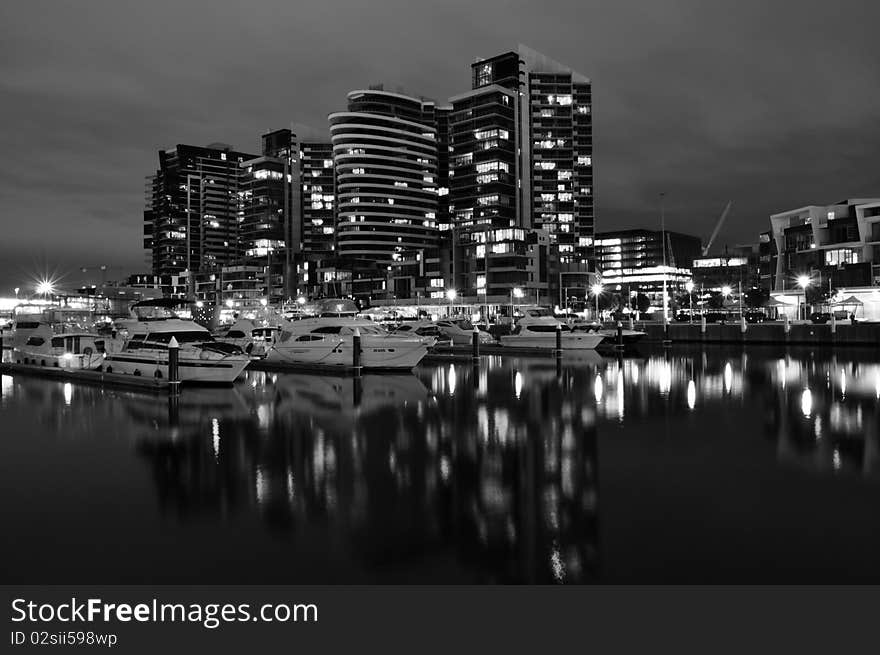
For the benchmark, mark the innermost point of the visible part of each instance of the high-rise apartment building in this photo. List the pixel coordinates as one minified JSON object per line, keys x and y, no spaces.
{"x":520,"y":173}
{"x":191,"y":218}
{"x":385,"y":156}
{"x":269,"y":214}
{"x":554,"y":137}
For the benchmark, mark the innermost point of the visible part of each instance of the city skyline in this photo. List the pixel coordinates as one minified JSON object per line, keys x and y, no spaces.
{"x":774,"y":127}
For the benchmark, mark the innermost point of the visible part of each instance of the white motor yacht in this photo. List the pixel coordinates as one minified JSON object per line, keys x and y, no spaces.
{"x":37,"y":343}
{"x":141,"y":347}
{"x":432,"y":335}
{"x":461,"y":331}
{"x":255,"y":340}
{"x":628,"y":336}
{"x":328,"y":340}
{"x":537,"y":329}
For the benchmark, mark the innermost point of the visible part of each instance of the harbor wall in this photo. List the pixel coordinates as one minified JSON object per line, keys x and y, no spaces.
{"x":861,"y":335}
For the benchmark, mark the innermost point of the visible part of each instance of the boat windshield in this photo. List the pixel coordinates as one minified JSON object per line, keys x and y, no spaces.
{"x":189,"y":336}
{"x":537,"y":312}
{"x":153,"y":313}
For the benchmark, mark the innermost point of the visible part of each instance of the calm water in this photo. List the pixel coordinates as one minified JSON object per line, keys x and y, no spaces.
{"x":720,"y":466}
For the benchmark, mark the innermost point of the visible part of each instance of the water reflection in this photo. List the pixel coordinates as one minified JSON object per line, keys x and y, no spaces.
{"x":460,"y":472}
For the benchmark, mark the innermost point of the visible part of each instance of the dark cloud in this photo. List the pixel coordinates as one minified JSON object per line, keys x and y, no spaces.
{"x":771,"y":104}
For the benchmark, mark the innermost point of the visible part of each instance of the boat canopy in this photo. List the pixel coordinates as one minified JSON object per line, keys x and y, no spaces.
{"x":335,"y":307}
{"x":162,"y":302}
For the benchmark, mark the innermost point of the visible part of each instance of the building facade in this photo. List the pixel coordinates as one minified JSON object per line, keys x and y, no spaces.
{"x":638,"y":261}
{"x":835,"y":245}
{"x":191,"y":218}
{"x":385,"y":159}
{"x":269,"y":214}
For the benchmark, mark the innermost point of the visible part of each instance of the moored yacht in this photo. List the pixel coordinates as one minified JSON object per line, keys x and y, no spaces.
{"x":141,"y":347}
{"x":327,"y":340}
{"x":37,"y":343}
{"x":255,"y":340}
{"x":537,"y":329}
{"x":627,"y":336}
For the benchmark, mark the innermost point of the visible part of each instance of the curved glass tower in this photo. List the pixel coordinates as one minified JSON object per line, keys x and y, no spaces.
{"x":385,"y":159}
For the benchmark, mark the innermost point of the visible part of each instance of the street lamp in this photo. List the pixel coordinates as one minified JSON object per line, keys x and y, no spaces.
{"x":596,"y":289}
{"x":45,"y":288}
{"x":726,"y":290}
{"x":16,"y":292}
{"x":451,"y":295}
{"x":689,"y":287}
{"x":803,"y":282}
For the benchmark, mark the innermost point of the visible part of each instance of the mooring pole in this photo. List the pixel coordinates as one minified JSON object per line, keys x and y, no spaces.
{"x":356,"y":351}
{"x":558,"y":352}
{"x":619,"y":345}
{"x":475,"y":343}
{"x":173,"y":367}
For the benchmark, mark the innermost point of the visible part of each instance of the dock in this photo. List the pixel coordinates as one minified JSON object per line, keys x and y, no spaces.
{"x":94,"y":378}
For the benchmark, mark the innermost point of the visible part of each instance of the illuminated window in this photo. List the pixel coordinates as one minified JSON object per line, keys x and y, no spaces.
{"x":487,"y":166}
{"x":584,"y":161}
{"x":484,"y":74}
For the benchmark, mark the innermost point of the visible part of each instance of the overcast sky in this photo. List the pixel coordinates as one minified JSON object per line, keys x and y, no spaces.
{"x":772,"y":104}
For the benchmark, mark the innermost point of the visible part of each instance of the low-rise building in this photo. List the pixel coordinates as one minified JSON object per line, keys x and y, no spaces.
{"x":836,"y":245}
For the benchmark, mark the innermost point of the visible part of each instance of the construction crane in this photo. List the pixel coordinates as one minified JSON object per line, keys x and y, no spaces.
{"x":717,"y":228}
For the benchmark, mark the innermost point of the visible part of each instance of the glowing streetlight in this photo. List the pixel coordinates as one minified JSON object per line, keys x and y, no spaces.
{"x":264,"y":302}
{"x":451,"y":295}
{"x":229,"y":302}
{"x":596,"y":290}
{"x":803,"y":281}
{"x":45,"y":288}
{"x":199,"y":304}
{"x":726,"y":290}
{"x":689,"y":287}
{"x":16,"y":292}
{"x":301,"y":300}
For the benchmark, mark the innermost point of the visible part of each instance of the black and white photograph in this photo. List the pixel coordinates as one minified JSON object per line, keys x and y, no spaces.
{"x":438,"y":295}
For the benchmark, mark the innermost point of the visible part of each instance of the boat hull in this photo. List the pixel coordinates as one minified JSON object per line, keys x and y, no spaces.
{"x":78,"y":362}
{"x":629,"y":337}
{"x":548,"y":342}
{"x":192,"y":370}
{"x":376,"y":354}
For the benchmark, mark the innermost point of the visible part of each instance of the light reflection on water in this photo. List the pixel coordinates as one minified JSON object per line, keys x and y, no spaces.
{"x":517,"y":470}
